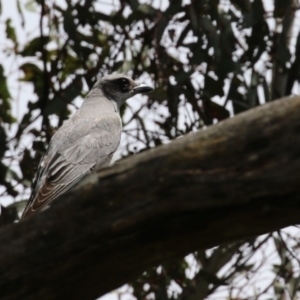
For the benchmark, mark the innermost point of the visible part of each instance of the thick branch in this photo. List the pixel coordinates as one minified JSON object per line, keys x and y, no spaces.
{"x":233,"y":180}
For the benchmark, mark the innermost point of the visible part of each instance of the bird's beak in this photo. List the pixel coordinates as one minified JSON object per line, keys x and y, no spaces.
{"x":142,"y":88}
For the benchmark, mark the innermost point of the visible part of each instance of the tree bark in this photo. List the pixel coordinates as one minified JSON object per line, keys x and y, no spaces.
{"x":233,"y":180}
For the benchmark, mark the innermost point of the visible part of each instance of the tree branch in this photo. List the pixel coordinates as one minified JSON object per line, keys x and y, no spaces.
{"x":233,"y":180}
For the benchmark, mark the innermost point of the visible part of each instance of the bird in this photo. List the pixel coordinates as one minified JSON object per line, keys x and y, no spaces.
{"x":85,"y":143}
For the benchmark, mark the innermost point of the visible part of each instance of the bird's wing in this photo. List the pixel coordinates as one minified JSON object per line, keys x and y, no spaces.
{"x":73,"y":153}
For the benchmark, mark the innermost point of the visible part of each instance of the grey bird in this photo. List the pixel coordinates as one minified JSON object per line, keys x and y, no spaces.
{"x":85,"y":143}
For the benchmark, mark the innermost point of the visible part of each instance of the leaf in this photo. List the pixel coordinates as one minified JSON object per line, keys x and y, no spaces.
{"x":280,"y":248}
{"x":211,"y":278}
{"x":8,"y":215}
{"x":31,"y":71}
{"x":55,"y":106}
{"x":33,"y":47}
{"x":258,"y":10}
{"x":294,"y":285}
{"x":161,"y":26}
{"x":11,"y":174}
{"x":252,"y":94}
{"x":3,"y":148}
{"x":4,"y":93}
{"x":9,"y":188}
{"x":66,"y":96}
{"x":182,"y":76}
{"x":69,"y":25}
{"x":20,"y":12}
{"x":183,"y":34}
{"x":35,"y":75}
{"x":133,"y":4}
{"x":199,"y":55}
{"x":19,"y":206}
{"x":98,"y":15}
{"x":283,"y":53}
{"x":146,"y":9}
{"x":215,"y":111}
{"x":278,"y":288}
{"x":213,"y":87}
{"x":39,"y":146}
{"x":5,"y":107}
{"x":10,"y":31}
{"x":266,"y":89}
{"x":193,"y":18}
{"x":23,"y":124}
{"x":173,"y":8}
{"x":243,"y":5}
{"x":280,"y":7}
{"x":238,"y":99}
{"x":172,"y":98}
{"x":27,"y":163}
{"x":31,"y":5}
{"x":117,"y":65}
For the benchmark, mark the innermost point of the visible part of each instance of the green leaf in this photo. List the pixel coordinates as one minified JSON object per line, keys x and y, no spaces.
{"x":55,"y":106}
{"x":3,"y":148}
{"x":213,"y":87}
{"x":59,"y":103}
{"x":26,"y":165}
{"x":5,"y":108}
{"x":20,"y":13}
{"x":4,"y":93}
{"x":280,"y":7}
{"x":161,"y":26}
{"x":133,"y":4}
{"x":252,"y":94}
{"x":238,"y":100}
{"x":216,"y":111}
{"x":10,"y":31}
{"x":199,"y":55}
{"x":19,"y":206}
{"x":211,"y":278}
{"x":280,"y":248}
{"x":33,"y":47}
{"x":278,"y":288}
{"x":266,"y":89}
{"x":243,"y":5}
{"x":39,"y":146}
{"x":99,"y":16}
{"x":11,"y":174}
{"x":69,"y":25}
{"x":8,"y":215}
{"x":294,"y":285}
{"x":32,"y":73}
{"x":146,"y":9}
{"x":31,"y":5}
{"x":183,"y":34}
{"x":175,"y":6}
{"x":193,"y":18}
{"x":182,"y":76}
{"x":258,"y":10}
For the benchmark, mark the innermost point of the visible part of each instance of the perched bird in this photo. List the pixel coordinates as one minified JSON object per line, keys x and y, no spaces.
{"x":86,"y":142}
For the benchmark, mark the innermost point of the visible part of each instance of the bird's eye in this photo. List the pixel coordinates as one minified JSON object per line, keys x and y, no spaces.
{"x":124,"y":85}
{"x":124,"y":82}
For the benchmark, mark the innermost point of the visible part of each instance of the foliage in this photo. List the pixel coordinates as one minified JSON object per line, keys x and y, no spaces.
{"x":207,"y":60}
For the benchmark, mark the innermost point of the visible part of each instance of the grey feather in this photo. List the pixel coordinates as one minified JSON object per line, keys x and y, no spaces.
{"x":86,"y":142}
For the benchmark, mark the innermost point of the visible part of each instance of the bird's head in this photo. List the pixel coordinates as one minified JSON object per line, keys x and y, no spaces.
{"x":119,"y":87}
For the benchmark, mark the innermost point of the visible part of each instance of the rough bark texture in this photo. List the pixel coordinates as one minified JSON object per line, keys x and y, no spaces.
{"x":233,"y":180}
